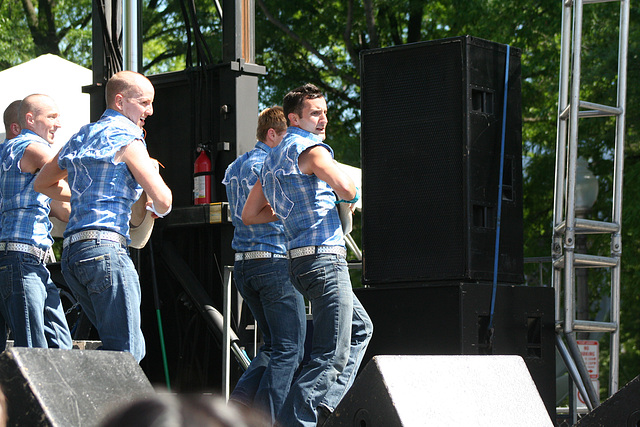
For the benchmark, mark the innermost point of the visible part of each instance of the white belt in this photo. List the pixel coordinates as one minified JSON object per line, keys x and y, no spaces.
{"x":24,"y":247}
{"x":312,"y":250}
{"x":240,"y":256}
{"x":111,"y":236}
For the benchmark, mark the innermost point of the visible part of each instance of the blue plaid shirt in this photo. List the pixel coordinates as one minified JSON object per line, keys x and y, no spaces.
{"x":25,"y":212}
{"x":5,"y":140}
{"x":102,"y":190}
{"x":304,"y":203}
{"x":239,"y":179}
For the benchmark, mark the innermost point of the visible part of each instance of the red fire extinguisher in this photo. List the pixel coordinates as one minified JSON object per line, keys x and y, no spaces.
{"x":202,"y":179}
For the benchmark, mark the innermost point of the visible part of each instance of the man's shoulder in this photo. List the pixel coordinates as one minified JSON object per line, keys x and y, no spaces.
{"x":116,"y":125}
{"x":24,"y":137}
{"x":292,"y":141}
{"x":238,"y":167}
{"x":19,"y":142}
{"x":240,"y":161}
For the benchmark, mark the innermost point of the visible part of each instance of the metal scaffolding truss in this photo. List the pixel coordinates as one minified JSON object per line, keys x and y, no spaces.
{"x":572,"y":109}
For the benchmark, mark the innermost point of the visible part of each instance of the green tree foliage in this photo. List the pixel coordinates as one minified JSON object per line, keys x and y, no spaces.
{"x":170,"y":35}
{"x":29,"y":29}
{"x":16,"y":45}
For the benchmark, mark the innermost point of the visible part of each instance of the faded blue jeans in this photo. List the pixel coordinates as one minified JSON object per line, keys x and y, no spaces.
{"x":103,"y":278}
{"x":342,"y":330}
{"x":31,"y":303}
{"x":280,"y":312}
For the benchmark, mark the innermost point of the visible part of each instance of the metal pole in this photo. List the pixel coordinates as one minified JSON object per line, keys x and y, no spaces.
{"x":226,"y":331}
{"x":616,"y":242}
{"x":130,"y":35}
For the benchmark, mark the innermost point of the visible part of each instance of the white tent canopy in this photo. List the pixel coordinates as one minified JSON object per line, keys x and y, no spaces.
{"x":50,"y":75}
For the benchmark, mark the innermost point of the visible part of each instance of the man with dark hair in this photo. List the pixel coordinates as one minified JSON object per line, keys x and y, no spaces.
{"x":31,"y":303}
{"x":261,"y":274}
{"x":11,"y":123}
{"x":11,"y":130}
{"x":300,"y":180}
{"x":108,"y":167}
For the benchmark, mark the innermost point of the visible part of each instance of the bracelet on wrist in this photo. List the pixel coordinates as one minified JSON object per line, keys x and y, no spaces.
{"x":354,"y":200}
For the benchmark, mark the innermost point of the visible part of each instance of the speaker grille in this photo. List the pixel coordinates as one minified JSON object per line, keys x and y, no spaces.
{"x":406,"y":106}
{"x":426,"y":113}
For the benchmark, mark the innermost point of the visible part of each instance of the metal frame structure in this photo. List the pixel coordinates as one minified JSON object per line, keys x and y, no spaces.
{"x":566,"y":223}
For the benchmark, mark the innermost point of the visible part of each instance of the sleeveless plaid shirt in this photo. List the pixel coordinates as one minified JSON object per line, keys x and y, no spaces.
{"x":102,"y":190}
{"x":25,"y":212}
{"x":304,"y":203}
{"x":239,"y":179}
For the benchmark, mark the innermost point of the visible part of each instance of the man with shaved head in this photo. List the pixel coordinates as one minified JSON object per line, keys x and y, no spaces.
{"x":31,"y":303}
{"x":108,"y":167}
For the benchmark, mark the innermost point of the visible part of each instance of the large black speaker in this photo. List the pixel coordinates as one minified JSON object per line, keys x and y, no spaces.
{"x":432,"y":119}
{"x":395,"y":391}
{"x":452,"y":319}
{"x":620,"y":410}
{"x":52,"y":387}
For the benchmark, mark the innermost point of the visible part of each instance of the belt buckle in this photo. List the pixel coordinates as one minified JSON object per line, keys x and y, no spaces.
{"x":42,"y":255}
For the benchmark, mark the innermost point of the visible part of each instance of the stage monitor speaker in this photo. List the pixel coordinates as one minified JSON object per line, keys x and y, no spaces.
{"x":61,"y":388}
{"x":620,"y":410}
{"x":431,"y":137}
{"x":442,"y":391}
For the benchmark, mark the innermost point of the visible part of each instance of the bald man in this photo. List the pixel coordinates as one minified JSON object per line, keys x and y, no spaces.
{"x":108,"y":166}
{"x":31,"y":302}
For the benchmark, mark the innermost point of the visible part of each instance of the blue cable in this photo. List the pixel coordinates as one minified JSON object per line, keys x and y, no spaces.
{"x":497,"y":246}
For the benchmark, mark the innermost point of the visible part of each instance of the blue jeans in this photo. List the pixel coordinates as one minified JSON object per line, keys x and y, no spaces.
{"x":342,"y":330}
{"x":280,"y":312}
{"x":31,"y":303}
{"x":105,"y":282}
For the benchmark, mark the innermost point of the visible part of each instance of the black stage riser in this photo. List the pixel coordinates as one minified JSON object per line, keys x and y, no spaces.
{"x":431,"y":143}
{"x":412,"y":391}
{"x":62,"y":388}
{"x":452,"y":319}
{"x":620,"y":410}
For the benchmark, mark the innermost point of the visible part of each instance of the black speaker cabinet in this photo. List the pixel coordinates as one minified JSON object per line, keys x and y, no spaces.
{"x":215,"y":107}
{"x":431,"y":138}
{"x":620,"y":410}
{"x":61,"y":388}
{"x":395,"y":391}
{"x":452,"y":319}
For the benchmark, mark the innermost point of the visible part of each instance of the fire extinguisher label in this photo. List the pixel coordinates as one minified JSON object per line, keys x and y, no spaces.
{"x":199,"y":187}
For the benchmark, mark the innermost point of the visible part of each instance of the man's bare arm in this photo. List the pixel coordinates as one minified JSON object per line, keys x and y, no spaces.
{"x":318,"y":161}
{"x":257,"y":209}
{"x":50,"y":181}
{"x":145,"y":172}
{"x":60,"y":210}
